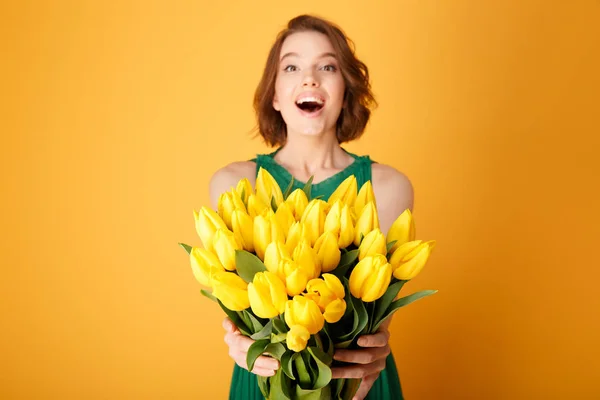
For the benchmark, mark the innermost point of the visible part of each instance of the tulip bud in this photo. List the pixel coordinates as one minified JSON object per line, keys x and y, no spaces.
{"x":373,"y":243}
{"x":314,"y":219}
{"x":328,"y":293}
{"x":365,"y":196}
{"x":228,"y":202}
{"x":328,"y":252}
{"x":367,"y":221}
{"x":266,"y":230}
{"x":231,"y":290}
{"x":370,"y":278}
{"x":297,"y":338}
{"x":207,"y":223}
{"x":204,"y":265}
{"x":346,"y":192}
{"x":296,"y":277}
{"x":267,"y":295}
{"x":257,"y":207}
{"x":243,"y":229}
{"x":339,"y":222}
{"x":244,"y":189}
{"x":304,"y":312}
{"x":285,"y":217}
{"x":306,"y":257}
{"x":274,"y":253}
{"x":267,"y":188}
{"x":402,"y":230}
{"x":410,"y":258}
{"x":297,"y":233}
{"x":297,"y":201}
{"x":225,"y":245}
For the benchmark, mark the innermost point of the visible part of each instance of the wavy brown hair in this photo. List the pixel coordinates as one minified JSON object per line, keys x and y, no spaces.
{"x":358,"y":98}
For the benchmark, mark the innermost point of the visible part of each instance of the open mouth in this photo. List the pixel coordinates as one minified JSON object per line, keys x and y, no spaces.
{"x":310,"y":104}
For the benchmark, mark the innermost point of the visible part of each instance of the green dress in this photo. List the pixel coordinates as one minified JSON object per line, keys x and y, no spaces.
{"x":244,"y":385}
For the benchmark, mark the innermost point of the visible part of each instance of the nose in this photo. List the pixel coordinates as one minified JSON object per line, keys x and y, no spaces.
{"x":309,"y":80}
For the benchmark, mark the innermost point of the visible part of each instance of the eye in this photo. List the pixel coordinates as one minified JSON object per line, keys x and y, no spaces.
{"x":290,"y":68}
{"x":330,"y":68}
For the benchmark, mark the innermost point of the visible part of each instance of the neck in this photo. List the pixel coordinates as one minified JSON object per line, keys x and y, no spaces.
{"x":307,"y":155}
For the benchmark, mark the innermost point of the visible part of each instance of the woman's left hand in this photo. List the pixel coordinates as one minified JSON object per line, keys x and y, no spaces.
{"x":369,"y":362}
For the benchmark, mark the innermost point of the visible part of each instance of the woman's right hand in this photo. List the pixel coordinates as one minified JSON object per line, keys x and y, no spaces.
{"x":238,"y":350}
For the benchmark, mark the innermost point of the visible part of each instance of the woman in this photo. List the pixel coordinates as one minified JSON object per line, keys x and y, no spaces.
{"x":315,"y":95}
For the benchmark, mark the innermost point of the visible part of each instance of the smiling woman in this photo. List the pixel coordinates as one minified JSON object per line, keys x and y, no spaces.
{"x":315,"y":95}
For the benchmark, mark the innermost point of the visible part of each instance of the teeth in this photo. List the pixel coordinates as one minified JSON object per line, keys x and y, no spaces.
{"x":309,"y":99}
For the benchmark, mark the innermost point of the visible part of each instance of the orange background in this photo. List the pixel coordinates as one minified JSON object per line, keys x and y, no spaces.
{"x":115,"y":115}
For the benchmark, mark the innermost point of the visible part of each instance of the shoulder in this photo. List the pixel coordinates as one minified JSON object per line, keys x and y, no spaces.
{"x":393,"y":191}
{"x":228,"y":176}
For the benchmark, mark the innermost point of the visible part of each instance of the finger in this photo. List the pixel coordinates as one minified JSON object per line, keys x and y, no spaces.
{"x":378,"y":339}
{"x":365,"y":385}
{"x":265,"y":362}
{"x":357,"y":371}
{"x":229,"y":326}
{"x":365,"y":356}
{"x":238,"y":342}
{"x":263,"y":372}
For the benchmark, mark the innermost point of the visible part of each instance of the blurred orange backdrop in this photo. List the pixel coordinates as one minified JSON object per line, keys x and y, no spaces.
{"x":115,"y":115}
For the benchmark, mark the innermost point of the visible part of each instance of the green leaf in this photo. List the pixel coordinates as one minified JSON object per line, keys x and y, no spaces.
{"x":361,"y":316}
{"x":208,"y":294}
{"x":308,"y":187}
{"x":255,"y":351}
{"x":318,"y":394}
{"x":275,"y":350}
{"x":263,"y":385}
{"x":186,"y":247}
{"x":324,"y":372}
{"x":384,"y":302}
{"x":346,"y":261}
{"x":279,"y":326}
{"x":287,"y":363}
{"x":236,"y":319}
{"x":247,"y":265}
{"x":288,"y":190}
{"x":404,"y":301}
{"x":264,"y":332}
{"x":302,"y":370}
{"x":390,"y":245}
{"x":273,"y":204}
{"x":255,"y":324}
{"x":280,"y":388}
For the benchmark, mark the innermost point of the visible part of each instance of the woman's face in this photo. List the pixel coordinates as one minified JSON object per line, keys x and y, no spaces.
{"x":309,"y":88}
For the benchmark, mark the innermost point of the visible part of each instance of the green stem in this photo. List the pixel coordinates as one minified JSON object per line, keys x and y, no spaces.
{"x":350,"y":388}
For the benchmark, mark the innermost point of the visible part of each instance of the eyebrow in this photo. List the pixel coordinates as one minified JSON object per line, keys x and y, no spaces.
{"x":292,"y":54}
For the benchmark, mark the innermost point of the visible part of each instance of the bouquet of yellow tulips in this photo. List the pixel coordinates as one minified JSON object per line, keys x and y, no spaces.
{"x":303,"y":276}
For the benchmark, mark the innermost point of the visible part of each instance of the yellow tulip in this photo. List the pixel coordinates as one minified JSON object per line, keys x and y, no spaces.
{"x":274,"y":253}
{"x":243,"y":229}
{"x":328,"y":252}
{"x":244,"y":189}
{"x":266,"y":230}
{"x":402,"y":230}
{"x":314,"y":219}
{"x":231,"y":290}
{"x":297,"y":201}
{"x":207,"y":223}
{"x":373,"y":243}
{"x":295,"y":276}
{"x":297,"y":338}
{"x":346,"y":192}
{"x":305,"y":312}
{"x":297,"y":233}
{"x":225,"y":245}
{"x":267,"y":295}
{"x":328,"y":293}
{"x":370,"y":278}
{"x":410,"y":258}
{"x":306,"y":257}
{"x":228,"y":202}
{"x":204,"y":265}
{"x":367,"y":221}
{"x":257,"y":207}
{"x":267,"y":188}
{"x":339,"y":222}
{"x":365,"y":196}
{"x":285,"y":217}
